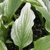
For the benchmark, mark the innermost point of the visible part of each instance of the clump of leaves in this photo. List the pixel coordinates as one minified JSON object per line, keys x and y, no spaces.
{"x":21,"y":31}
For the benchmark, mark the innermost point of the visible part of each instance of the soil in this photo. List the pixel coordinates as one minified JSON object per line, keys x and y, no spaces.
{"x":38,"y":32}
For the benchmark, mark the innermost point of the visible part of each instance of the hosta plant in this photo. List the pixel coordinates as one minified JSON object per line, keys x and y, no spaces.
{"x":19,"y":25}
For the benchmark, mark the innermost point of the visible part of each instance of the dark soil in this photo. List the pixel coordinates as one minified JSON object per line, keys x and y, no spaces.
{"x":38,"y":31}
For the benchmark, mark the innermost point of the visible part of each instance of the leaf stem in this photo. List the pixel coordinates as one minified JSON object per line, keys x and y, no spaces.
{"x":20,"y":48}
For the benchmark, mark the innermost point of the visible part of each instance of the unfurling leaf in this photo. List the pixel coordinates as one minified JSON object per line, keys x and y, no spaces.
{"x":21,"y":32}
